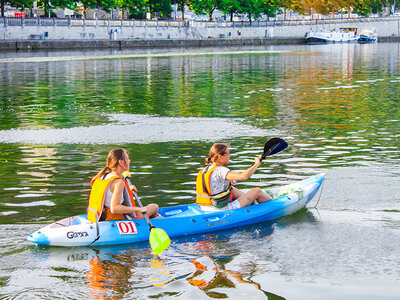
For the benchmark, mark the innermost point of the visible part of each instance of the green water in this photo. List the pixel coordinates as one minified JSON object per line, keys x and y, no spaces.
{"x":336,"y":105}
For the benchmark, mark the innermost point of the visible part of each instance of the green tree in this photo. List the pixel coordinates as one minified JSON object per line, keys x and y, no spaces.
{"x":136,"y":8}
{"x":163,"y":7}
{"x":106,"y":5}
{"x":229,"y":7}
{"x":48,"y":5}
{"x":376,"y":6}
{"x":366,"y":7}
{"x":252,"y":8}
{"x":205,"y":7}
{"x":181,"y":7}
{"x":270,"y":7}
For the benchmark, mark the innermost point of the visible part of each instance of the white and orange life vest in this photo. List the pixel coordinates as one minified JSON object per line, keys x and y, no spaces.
{"x":203,"y":187}
{"x":97,"y":197}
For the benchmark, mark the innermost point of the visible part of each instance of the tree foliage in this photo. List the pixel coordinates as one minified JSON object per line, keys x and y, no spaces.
{"x":252,"y":8}
{"x":366,"y":7}
{"x":205,"y":7}
{"x":163,"y":7}
{"x":181,"y":7}
{"x":48,"y":6}
{"x":136,"y":8}
{"x":270,"y":7}
{"x":229,"y":7}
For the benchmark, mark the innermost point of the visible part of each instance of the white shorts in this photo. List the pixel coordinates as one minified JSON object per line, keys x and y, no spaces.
{"x":231,"y":205}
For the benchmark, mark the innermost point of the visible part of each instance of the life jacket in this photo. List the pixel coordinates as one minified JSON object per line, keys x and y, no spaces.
{"x":203,"y":189}
{"x":97,"y":197}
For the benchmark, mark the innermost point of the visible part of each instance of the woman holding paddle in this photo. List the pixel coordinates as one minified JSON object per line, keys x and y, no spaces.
{"x":112,"y":193}
{"x":214,"y":183}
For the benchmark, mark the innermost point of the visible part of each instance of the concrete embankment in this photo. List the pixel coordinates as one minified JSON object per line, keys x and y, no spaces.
{"x":160,"y":43}
{"x":157,"y":43}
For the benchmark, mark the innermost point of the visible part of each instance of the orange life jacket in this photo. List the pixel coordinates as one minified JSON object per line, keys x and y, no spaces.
{"x":203,"y":187}
{"x":96,"y":200}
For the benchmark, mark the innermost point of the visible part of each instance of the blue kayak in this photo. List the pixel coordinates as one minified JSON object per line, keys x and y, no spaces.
{"x":176,"y":220}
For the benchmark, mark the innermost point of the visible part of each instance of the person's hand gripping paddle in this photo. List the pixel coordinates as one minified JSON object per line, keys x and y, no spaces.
{"x":158,"y":238}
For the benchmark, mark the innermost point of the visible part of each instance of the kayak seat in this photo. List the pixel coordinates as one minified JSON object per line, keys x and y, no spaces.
{"x":180,"y":211}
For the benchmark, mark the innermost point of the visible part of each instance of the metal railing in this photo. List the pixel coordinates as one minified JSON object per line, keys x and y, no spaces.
{"x":7,"y":21}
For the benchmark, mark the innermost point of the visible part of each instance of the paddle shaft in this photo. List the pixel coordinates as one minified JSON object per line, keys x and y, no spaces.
{"x":146,"y":216}
{"x":270,"y":151}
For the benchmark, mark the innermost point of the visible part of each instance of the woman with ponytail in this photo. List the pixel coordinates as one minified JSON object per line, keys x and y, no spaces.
{"x":111,"y":189}
{"x":214,"y":183}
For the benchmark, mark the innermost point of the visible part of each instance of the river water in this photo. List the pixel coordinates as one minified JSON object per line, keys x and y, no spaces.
{"x":336,"y":105}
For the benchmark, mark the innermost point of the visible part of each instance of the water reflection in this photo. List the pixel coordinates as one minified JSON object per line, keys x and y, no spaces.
{"x":65,"y":94}
{"x":336,"y":105}
{"x":211,"y":264}
{"x":217,"y":281}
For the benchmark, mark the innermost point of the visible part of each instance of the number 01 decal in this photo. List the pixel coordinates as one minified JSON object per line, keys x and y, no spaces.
{"x":127,"y":227}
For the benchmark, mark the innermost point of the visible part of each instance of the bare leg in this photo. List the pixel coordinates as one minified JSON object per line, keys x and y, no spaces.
{"x":255,"y":194}
{"x":236,"y":193}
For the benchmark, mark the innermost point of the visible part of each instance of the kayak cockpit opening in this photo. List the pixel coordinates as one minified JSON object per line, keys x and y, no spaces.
{"x":75,"y":220}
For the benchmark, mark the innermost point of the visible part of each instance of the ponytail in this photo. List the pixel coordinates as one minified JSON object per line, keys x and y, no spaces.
{"x":100,"y":174}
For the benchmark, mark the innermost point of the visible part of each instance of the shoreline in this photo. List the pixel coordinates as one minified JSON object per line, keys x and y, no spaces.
{"x":142,"y":43}
{"x":21,"y":45}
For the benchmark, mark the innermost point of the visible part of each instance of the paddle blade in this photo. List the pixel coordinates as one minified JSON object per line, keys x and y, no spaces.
{"x":159,"y":240}
{"x":273,"y":146}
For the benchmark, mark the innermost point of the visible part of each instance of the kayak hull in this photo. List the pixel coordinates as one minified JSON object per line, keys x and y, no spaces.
{"x":176,"y":221}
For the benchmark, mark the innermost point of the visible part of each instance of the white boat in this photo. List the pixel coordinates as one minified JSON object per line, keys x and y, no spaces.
{"x":368,"y":36}
{"x":344,"y":35}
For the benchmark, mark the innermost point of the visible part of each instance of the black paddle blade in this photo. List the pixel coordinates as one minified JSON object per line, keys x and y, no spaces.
{"x":273,"y":146}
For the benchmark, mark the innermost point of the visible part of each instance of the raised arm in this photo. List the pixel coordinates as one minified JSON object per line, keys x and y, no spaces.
{"x":245,"y":174}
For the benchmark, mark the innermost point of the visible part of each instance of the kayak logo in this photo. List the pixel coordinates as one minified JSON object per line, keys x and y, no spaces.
{"x":127,"y":227}
{"x":76,"y":234}
{"x":218,"y":223}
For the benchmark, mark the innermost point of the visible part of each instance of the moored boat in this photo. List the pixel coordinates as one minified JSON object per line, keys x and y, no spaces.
{"x":344,"y":35}
{"x":176,"y":220}
{"x":368,"y":36}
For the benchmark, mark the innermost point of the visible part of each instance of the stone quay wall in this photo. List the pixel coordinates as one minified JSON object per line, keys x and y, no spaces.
{"x":75,"y":33}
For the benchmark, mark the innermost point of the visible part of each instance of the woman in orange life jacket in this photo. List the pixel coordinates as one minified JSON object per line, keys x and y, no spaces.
{"x":115,"y":201}
{"x":214,"y":183}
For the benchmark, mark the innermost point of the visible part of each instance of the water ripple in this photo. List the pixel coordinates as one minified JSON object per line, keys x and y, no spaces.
{"x":138,"y":129}
{"x":30,"y":204}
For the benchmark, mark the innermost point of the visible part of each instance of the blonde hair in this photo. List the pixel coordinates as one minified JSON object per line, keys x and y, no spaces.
{"x":215,"y":150}
{"x":113,"y":158}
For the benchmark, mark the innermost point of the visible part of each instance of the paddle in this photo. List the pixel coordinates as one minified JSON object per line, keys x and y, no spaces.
{"x":273,"y":146}
{"x":158,"y":238}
